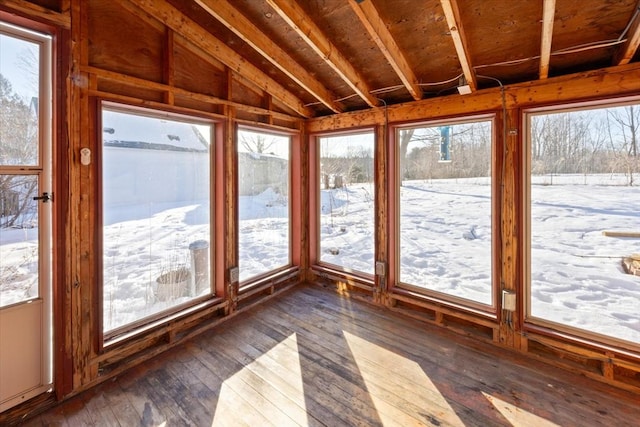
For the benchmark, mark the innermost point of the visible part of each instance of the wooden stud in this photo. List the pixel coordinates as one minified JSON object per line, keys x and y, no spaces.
{"x":608,"y":366}
{"x":509,"y":216}
{"x":381,"y":209}
{"x":168,"y":65}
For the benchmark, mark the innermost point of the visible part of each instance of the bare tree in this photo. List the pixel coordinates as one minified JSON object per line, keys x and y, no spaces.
{"x":256,"y":143}
{"x":18,"y":146}
{"x":470,"y":149}
{"x":624,"y":129}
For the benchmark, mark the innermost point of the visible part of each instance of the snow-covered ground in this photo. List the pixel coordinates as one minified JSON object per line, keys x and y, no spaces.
{"x":347,"y":227}
{"x":576,"y":273}
{"x":445,"y":237}
{"x":264,"y":233}
{"x":577,"y":278}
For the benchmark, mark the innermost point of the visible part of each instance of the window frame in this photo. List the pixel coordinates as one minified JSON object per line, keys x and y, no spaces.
{"x":316,"y":216}
{"x":362,"y":279}
{"x":535,"y":324}
{"x":254,"y":281}
{"x":496,"y":176}
{"x":113,"y":337}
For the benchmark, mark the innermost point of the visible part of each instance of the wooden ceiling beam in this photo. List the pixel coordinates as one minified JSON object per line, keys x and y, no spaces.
{"x":234,"y":20}
{"x":370,"y":18}
{"x":548,"y":16}
{"x":628,"y":49}
{"x":452,"y":14}
{"x":304,"y":26}
{"x":190,"y":30}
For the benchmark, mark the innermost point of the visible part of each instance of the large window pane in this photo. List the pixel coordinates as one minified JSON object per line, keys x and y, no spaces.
{"x":445,"y":209}
{"x":156,"y":214}
{"x":347,"y":201}
{"x":584,"y":170}
{"x":263,"y":186}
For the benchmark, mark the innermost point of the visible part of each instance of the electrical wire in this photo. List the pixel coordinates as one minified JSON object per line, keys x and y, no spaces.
{"x":453,"y":79}
{"x":626,"y":30}
{"x":565,"y":51}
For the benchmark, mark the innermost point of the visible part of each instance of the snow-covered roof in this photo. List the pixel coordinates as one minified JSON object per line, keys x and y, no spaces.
{"x":133,"y":131}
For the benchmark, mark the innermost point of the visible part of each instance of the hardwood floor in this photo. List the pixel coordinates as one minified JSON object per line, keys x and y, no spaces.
{"x":314,"y":358}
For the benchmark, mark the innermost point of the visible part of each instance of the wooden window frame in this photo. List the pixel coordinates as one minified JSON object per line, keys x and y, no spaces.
{"x":143,"y":325}
{"x":292,"y":269}
{"x":423,"y":294}
{"x":535,"y":325}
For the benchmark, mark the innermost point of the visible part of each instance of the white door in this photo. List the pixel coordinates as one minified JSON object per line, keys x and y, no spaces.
{"x":25,"y":215}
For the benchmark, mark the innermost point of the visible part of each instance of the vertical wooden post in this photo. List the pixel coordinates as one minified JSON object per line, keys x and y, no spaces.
{"x":509,"y":154}
{"x":381,"y":217}
{"x":299,"y":202}
{"x":230,"y":197}
{"x":62,"y":273}
{"x":82,"y":200}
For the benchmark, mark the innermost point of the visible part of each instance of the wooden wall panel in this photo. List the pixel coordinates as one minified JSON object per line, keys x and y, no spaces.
{"x":134,"y":49}
{"x":195,"y":74}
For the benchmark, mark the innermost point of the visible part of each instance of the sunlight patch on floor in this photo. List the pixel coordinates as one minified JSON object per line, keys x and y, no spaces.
{"x":405,"y":381}
{"x":518,"y":416}
{"x":254,"y":394}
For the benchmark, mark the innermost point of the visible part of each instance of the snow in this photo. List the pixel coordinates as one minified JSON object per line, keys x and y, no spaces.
{"x":445,"y":237}
{"x":577,"y":278}
{"x":264,"y":233}
{"x":347,"y":227}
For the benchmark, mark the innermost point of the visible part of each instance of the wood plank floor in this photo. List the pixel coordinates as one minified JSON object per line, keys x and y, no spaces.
{"x":314,"y":358}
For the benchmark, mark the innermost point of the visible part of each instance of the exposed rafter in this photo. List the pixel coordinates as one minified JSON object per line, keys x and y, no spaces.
{"x":189,"y":29}
{"x":234,"y":20}
{"x":304,"y":26}
{"x":548,"y":15}
{"x":370,"y":18}
{"x":629,"y":48}
{"x":452,"y":14}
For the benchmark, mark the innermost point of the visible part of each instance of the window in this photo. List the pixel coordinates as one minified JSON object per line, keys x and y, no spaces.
{"x":445,"y":204}
{"x":156,"y":213}
{"x":263,"y":202}
{"x":584,"y":199}
{"x":346,"y":178}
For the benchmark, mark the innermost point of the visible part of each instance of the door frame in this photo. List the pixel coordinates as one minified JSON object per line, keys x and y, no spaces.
{"x":42,"y":36}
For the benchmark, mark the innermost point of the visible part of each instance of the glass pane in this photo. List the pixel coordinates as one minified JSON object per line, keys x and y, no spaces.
{"x":18,"y":238}
{"x":445,"y":209}
{"x":263,"y":202}
{"x":156,"y":215}
{"x":585,"y":209}
{"x":347,"y":201}
{"x":19,"y":81}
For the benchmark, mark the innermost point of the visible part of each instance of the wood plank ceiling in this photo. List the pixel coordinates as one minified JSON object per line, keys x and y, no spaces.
{"x":320,"y":57}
